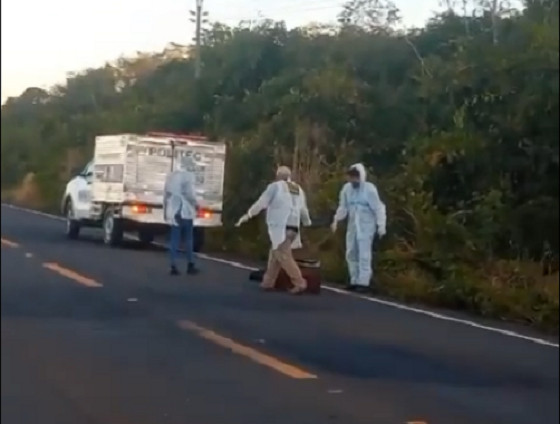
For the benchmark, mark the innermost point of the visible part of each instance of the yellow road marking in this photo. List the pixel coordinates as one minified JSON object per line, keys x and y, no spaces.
{"x":85,"y":281}
{"x":254,"y":355}
{"x":6,"y":242}
{"x":416,"y":422}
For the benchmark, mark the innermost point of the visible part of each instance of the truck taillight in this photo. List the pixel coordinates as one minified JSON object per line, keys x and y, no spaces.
{"x":204,"y":213}
{"x":139,"y":209}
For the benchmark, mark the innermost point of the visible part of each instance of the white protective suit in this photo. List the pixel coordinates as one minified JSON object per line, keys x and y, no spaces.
{"x":179,"y":193}
{"x":281,"y":206}
{"x":366,"y":215}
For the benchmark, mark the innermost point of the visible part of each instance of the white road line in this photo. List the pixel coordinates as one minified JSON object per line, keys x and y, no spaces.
{"x":395,"y":305}
{"x":34,"y":212}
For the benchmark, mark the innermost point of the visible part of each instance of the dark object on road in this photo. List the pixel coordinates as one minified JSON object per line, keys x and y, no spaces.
{"x":310,"y":269}
{"x":257,"y":275}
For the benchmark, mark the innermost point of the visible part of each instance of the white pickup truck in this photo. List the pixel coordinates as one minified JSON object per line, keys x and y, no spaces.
{"x":121,"y":189}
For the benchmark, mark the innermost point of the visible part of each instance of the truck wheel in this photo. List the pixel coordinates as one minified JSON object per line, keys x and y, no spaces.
{"x":146,"y":237}
{"x":72,"y":225}
{"x":112,"y":229}
{"x":198,"y":239}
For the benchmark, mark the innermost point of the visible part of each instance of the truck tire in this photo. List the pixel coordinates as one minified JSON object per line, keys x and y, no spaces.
{"x":198,"y":239}
{"x":146,"y":237}
{"x":72,"y":225}
{"x":112,"y":229}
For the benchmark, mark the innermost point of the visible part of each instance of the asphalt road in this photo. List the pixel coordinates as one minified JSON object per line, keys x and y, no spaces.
{"x":91,"y":334}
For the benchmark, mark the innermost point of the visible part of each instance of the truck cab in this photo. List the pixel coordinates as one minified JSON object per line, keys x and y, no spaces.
{"x":78,"y":194}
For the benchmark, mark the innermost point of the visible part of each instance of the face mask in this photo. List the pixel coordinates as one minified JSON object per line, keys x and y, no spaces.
{"x":355,"y":184}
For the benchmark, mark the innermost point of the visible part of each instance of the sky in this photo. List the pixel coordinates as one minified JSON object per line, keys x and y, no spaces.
{"x":44,"y":40}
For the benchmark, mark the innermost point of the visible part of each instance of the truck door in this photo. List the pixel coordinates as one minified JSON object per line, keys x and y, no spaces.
{"x":83,"y":192}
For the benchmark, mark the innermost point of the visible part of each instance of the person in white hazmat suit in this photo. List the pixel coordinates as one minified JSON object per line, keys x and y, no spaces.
{"x":360,"y":202}
{"x":179,"y":210}
{"x":286,"y":208}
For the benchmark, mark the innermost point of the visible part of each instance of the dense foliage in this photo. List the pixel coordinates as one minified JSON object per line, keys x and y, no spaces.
{"x":458,"y":123}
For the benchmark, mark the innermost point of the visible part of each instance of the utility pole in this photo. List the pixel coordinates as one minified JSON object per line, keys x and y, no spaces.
{"x":494,"y":15}
{"x":197,"y":15}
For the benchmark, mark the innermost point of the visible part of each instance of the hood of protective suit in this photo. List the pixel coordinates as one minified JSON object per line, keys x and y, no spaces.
{"x":361,"y":170}
{"x":186,"y":163}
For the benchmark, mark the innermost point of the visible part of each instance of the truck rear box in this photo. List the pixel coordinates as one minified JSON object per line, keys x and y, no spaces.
{"x":130,"y":171}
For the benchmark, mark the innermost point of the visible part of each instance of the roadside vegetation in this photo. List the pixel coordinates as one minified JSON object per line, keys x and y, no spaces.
{"x":457,"y":122}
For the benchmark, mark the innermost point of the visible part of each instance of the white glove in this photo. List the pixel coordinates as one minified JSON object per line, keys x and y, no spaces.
{"x":242,"y":220}
{"x":334,"y":226}
{"x":381,"y":231}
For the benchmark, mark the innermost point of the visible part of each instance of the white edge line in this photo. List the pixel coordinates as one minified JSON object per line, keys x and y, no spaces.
{"x":395,"y":305}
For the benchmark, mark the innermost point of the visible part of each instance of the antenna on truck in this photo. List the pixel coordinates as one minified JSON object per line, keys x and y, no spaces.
{"x":172,"y":155}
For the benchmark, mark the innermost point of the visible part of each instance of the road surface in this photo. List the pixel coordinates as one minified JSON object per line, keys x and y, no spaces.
{"x":98,"y":335}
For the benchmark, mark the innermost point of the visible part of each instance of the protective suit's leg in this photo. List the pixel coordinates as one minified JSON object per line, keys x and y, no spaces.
{"x":284,"y":256}
{"x":174,"y":240}
{"x":352,"y":256}
{"x":272,"y":271}
{"x":364,"y":268}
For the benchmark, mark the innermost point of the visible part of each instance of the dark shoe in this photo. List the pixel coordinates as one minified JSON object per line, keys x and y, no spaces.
{"x":362,"y":289}
{"x":350,"y":287}
{"x":256,"y":275}
{"x":174,"y":270}
{"x":192,"y":269}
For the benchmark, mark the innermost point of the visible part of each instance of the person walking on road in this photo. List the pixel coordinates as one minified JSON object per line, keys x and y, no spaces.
{"x":360,"y":202}
{"x":179,"y":210}
{"x":286,"y":208}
